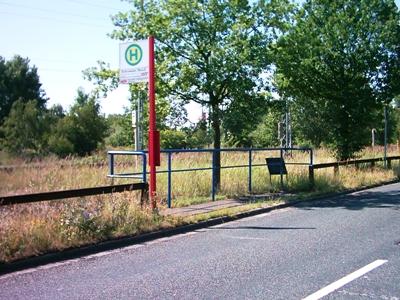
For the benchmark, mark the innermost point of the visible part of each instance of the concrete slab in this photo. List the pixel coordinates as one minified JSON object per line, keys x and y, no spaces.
{"x":216,"y":205}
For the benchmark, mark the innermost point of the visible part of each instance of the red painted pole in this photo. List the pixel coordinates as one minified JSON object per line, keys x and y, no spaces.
{"x":152,"y":125}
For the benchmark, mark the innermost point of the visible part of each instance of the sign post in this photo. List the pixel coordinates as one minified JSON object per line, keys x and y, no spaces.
{"x":136,"y":61}
{"x":154,"y":135}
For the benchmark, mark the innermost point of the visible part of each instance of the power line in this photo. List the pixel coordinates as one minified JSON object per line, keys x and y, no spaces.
{"x":64,"y":61}
{"x":50,"y":11}
{"x":58,"y":70}
{"x":85,"y":3}
{"x":55,"y":20}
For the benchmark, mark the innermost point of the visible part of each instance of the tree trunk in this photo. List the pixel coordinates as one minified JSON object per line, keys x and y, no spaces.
{"x":216,"y":126}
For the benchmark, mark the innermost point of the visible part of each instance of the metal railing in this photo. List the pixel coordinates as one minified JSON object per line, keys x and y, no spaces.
{"x":213,"y":167}
{"x":143,"y":186}
{"x":111,"y":165}
{"x":356,"y":162}
{"x":65,"y":194}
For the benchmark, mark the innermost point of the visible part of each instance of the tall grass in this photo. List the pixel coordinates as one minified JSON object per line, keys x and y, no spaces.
{"x":32,"y":229}
{"x":195,"y":186}
{"x":187,"y":187}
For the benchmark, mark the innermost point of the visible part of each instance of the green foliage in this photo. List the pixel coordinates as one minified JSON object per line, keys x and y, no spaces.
{"x":195,"y":136}
{"x":393,"y":126}
{"x":266,"y":133}
{"x":120,"y":130}
{"x":24,"y":128}
{"x":104,"y":78}
{"x":198,"y":136}
{"x":81,"y":130}
{"x":338,"y":62}
{"x":241,"y":118}
{"x":210,"y":52}
{"x":191,"y":137}
{"x":59,"y":144}
{"x":173,"y":139}
{"x":19,"y":81}
{"x":169,"y":114}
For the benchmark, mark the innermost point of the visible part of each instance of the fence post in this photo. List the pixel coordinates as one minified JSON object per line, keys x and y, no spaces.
{"x":336,"y":170}
{"x":311,"y":175}
{"x":145,"y":194}
{"x":213,"y":179}
{"x":389,"y":162}
{"x":250,"y":163}
{"x":169,"y":179}
{"x":110,"y":164}
{"x":281,"y":169}
{"x":144,"y":178}
{"x":311,"y":170}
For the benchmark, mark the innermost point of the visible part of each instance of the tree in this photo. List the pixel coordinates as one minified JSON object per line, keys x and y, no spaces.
{"x":169,"y":114}
{"x":173,"y":139}
{"x":104,"y":78}
{"x":19,"y":81}
{"x":120,"y":130}
{"x":266,"y":133}
{"x":211,"y":52}
{"x":241,"y":118}
{"x":198,"y":134}
{"x":24,"y":129}
{"x":81,"y":130}
{"x":339,"y":63}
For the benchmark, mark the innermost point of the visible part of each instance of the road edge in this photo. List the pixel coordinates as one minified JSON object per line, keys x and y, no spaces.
{"x":76,"y":253}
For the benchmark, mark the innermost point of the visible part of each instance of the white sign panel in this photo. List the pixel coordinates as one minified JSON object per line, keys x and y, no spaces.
{"x":134,"y":62}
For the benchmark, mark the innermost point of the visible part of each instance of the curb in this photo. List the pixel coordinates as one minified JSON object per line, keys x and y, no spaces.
{"x":76,"y":253}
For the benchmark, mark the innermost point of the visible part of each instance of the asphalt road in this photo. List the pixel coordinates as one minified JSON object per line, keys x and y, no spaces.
{"x":287,"y":254}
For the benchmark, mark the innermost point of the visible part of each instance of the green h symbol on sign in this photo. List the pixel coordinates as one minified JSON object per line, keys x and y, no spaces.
{"x":133,"y":54}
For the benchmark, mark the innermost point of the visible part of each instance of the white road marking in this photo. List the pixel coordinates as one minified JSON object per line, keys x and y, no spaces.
{"x":345,"y":280}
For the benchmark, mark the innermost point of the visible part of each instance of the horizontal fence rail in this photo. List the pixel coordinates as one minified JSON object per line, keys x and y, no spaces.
{"x":111,"y":165}
{"x":11,"y":168}
{"x":43,"y":165}
{"x":143,"y":186}
{"x":355,"y":162}
{"x":250,"y":164}
{"x":336,"y":165}
{"x":59,"y":195}
{"x":212,"y":167}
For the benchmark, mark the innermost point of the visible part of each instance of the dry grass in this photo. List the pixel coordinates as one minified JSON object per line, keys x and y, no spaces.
{"x":33,"y":229}
{"x":195,"y":187}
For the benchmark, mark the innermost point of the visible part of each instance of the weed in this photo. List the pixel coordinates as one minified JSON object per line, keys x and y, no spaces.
{"x":33,"y":229}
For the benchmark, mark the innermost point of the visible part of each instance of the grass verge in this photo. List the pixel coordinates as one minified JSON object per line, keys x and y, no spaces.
{"x":34,"y":229}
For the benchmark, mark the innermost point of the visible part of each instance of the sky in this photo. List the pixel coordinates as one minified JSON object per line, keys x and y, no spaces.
{"x":62,"y":38}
